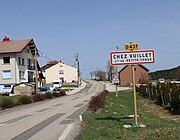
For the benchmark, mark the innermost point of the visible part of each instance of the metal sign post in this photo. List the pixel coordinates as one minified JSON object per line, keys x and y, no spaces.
{"x":116,"y":90}
{"x":115,"y":81}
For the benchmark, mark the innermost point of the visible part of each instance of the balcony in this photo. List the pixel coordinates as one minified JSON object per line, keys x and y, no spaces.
{"x":31,"y":68}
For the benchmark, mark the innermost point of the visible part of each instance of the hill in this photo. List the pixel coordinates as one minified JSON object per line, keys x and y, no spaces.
{"x":173,"y":73}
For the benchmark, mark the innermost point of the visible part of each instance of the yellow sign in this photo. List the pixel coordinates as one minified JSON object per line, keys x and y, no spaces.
{"x":131,"y":46}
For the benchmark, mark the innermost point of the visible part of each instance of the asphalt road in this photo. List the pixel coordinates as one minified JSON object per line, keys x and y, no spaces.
{"x":47,"y":120}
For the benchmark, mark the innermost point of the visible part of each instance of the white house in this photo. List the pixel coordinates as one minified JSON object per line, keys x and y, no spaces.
{"x":56,"y":70}
{"x":16,"y":62}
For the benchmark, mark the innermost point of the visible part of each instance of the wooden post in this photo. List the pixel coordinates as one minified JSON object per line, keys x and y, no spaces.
{"x":35,"y":64}
{"x":134,"y":93}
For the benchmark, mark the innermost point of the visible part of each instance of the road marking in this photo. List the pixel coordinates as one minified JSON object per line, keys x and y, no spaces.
{"x":79,"y":105}
{"x":77,"y":112}
{"x":32,"y":131}
{"x":41,"y":110}
{"x":66,"y":122}
{"x":75,"y":98}
{"x":1,"y":124}
{"x":58,"y":104}
{"x":66,"y":132}
{"x":17,"y":119}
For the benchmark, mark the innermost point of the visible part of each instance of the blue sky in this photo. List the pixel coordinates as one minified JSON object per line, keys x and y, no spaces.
{"x":93,"y":28}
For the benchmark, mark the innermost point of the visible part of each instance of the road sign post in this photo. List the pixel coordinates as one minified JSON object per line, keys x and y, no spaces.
{"x":134,"y":95}
{"x":115,"y":81}
{"x":132,"y":57}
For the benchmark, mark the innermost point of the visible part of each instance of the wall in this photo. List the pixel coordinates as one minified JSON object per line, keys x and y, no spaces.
{"x":126,"y":75}
{"x":53,"y":73}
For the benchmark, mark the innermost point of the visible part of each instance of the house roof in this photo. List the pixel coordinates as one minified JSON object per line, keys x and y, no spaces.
{"x":48,"y":65}
{"x":137,"y":65}
{"x":17,"y":46}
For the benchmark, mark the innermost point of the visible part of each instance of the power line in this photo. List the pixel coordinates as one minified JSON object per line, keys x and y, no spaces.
{"x":44,"y":55}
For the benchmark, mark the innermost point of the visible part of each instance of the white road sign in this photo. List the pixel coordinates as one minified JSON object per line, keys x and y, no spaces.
{"x":132,"y":57}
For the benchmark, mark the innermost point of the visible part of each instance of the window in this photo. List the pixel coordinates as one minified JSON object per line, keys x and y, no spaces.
{"x":21,"y":61}
{"x":27,"y":50}
{"x":21,"y":75}
{"x":7,"y":86}
{"x":30,"y":62}
{"x":6,"y":74}
{"x":61,"y":71}
{"x":30,"y":76}
{"x":6,"y":60}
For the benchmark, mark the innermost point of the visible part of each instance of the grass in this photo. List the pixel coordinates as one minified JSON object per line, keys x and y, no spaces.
{"x":15,"y":98}
{"x":69,"y":85}
{"x":107,"y":124}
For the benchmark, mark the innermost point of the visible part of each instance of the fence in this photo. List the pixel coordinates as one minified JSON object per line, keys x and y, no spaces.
{"x":167,"y":95}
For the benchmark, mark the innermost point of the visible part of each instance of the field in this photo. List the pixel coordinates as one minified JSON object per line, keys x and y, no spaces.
{"x":107,"y":123}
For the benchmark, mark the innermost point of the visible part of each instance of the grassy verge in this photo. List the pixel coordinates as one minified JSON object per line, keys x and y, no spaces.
{"x":107,"y":124}
{"x":15,"y":98}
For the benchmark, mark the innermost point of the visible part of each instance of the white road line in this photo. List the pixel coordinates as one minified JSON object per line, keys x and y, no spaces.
{"x":1,"y":124}
{"x":66,"y":132}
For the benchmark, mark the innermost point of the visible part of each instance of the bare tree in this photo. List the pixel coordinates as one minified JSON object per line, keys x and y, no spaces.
{"x":110,"y":71}
{"x":91,"y":74}
{"x":101,"y":75}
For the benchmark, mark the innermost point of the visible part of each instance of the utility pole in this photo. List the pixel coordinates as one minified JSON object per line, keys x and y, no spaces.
{"x":78,"y":69}
{"x":117,"y":48}
{"x":35,"y":65}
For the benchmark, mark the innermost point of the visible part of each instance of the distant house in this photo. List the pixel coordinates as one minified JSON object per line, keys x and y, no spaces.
{"x":17,"y":59}
{"x":141,"y":75}
{"x":57,"y":70}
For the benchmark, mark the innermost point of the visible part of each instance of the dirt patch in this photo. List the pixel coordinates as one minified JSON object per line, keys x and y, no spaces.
{"x":152,"y":107}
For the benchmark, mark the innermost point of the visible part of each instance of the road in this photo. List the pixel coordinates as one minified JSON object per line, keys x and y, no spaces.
{"x":47,"y":120}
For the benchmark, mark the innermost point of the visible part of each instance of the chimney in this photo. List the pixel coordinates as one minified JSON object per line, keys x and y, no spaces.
{"x":6,"y":39}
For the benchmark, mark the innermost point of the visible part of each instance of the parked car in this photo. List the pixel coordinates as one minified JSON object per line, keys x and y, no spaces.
{"x":44,"y":90}
{"x":161,"y":80}
{"x":57,"y":83}
{"x":5,"y":93}
{"x":56,"y":90}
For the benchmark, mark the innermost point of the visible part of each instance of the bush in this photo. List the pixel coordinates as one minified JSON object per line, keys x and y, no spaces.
{"x":98,"y":101}
{"x":175,"y":104}
{"x":56,"y":94}
{"x":37,"y":97}
{"x":142,"y":90}
{"x":48,"y":96}
{"x":62,"y":92}
{"x":7,"y":103}
{"x":167,"y":95}
{"x":25,"y":99}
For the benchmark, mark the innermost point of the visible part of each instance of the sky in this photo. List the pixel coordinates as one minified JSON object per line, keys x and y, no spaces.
{"x":94,"y":28}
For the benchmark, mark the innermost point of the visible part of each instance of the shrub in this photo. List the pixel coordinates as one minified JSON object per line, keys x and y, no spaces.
{"x":142,"y":90}
{"x":98,"y":101}
{"x":62,"y":92}
{"x":7,"y":103}
{"x":175,"y":104}
{"x":56,"y":94}
{"x":25,"y":99}
{"x":37,"y":97}
{"x":165,"y":88}
{"x":48,"y":96}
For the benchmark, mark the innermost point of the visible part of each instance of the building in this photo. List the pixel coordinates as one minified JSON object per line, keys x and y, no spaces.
{"x":141,"y":75}
{"x":57,"y":70}
{"x":23,"y":89}
{"x":17,"y":65}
